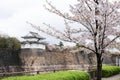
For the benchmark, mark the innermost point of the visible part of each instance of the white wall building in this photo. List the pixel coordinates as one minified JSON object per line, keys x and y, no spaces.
{"x":33,"y":40}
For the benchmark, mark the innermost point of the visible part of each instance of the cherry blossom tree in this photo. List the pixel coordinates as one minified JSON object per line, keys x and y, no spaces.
{"x":100,"y":19}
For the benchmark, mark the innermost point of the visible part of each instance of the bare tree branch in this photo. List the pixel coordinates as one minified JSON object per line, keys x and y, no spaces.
{"x":111,"y":41}
{"x":87,"y":48}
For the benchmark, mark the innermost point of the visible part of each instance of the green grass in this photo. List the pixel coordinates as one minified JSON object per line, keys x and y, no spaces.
{"x":108,"y":71}
{"x":63,"y":75}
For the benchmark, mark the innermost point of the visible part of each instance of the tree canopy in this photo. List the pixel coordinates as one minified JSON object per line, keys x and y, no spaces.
{"x":10,"y":43}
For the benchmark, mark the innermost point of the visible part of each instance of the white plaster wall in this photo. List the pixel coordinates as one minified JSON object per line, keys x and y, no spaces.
{"x":33,"y":46}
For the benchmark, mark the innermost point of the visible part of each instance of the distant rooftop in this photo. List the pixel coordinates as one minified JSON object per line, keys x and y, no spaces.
{"x":33,"y":38}
{"x":33,"y":35}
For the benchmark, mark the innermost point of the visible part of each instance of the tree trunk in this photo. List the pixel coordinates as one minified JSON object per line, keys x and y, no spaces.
{"x":99,"y":67}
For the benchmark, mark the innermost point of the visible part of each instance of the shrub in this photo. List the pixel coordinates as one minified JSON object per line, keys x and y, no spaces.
{"x":10,"y":43}
{"x":110,"y":70}
{"x":63,"y":75}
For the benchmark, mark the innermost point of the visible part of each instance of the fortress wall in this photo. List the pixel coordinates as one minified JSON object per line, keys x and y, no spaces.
{"x":9,"y":57}
{"x":39,"y":59}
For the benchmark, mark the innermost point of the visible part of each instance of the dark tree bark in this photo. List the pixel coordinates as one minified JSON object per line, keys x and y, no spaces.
{"x":99,"y":67}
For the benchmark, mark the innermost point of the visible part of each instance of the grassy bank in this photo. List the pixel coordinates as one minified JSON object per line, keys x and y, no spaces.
{"x":63,"y":75}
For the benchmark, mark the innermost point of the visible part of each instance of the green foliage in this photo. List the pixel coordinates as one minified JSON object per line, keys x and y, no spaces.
{"x":61,"y":44}
{"x":3,"y":42}
{"x":63,"y":75}
{"x":10,"y":43}
{"x":13,"y":43}
{"x":77,"y":45}
{"x":110,"y":70}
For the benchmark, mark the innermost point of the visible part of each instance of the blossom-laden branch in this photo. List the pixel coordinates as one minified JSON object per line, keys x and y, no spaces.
{"x":106,"y":45}
{"x":67,"y":35}
{"x":98,"y":17}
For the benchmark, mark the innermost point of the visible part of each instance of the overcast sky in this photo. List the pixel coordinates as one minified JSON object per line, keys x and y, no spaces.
{"x":15,"y":13}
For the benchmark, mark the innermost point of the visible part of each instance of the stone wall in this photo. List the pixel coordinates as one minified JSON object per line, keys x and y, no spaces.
{"x":9,"y":57}
{"x":37,"y":57}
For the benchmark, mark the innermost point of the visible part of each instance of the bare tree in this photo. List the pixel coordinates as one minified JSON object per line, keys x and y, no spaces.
{"x":100,"y":18}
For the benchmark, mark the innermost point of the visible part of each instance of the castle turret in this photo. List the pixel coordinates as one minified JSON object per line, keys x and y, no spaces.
{"x":33,"y":40}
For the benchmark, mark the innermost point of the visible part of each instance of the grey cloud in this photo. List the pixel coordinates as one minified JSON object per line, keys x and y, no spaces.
{"x":5,"y":13}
